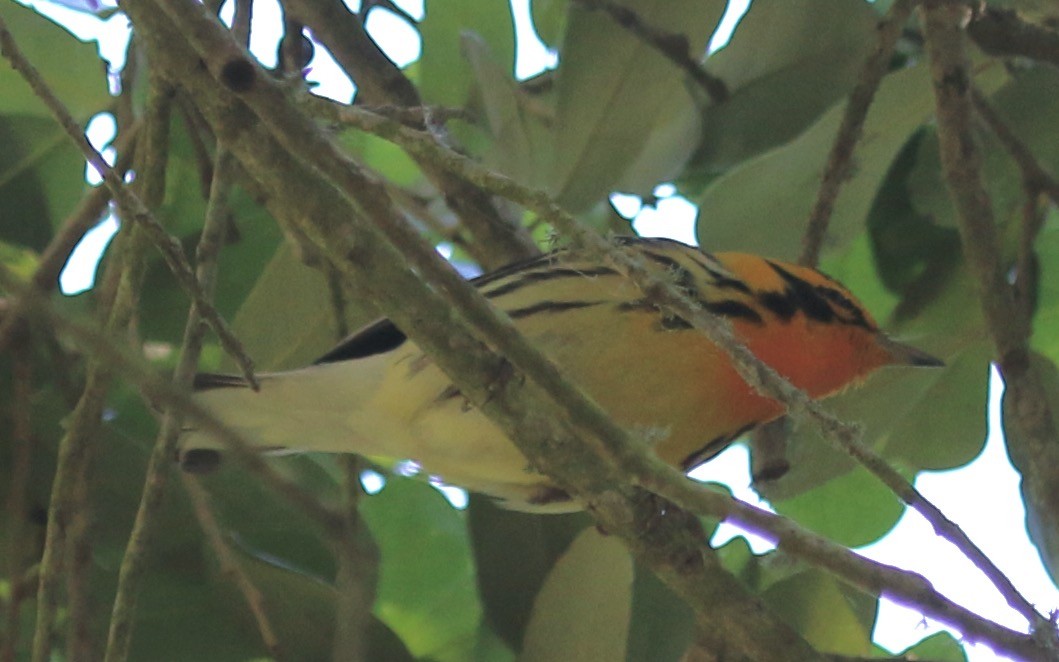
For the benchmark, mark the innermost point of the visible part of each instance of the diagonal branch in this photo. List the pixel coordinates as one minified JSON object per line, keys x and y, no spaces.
{"x":497,"y":239}
{"x":672,"y":45}
{"x":840,"y":160}
{"x":134,"y":562}
{"x":131,"y":204}
{"x":962,"y":166}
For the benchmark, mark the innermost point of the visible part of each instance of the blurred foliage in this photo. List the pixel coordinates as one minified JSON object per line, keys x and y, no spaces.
{"x":615,"y":115}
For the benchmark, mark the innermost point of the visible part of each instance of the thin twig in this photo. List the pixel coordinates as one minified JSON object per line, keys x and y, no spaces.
{"x":135,"y":561}
{"x":498,"y":240}
{"x":17,"y":541}
{"x":134,"y":369}
{"x":840,"y":159}
{"x":671,"y":45}
{"x":134,"y":208}
{"x":962,"y":168}
{"x":230,"y":566}
{"x":1036,"y":180}
{"x":357,"y":574}
{"x":86,"y":216}
{"x":873,"y":577}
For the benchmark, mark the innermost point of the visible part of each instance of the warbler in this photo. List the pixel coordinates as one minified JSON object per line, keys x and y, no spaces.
{"x":379,"y":395}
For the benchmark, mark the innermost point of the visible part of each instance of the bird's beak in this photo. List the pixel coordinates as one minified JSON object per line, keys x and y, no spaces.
{"x":902,"y":354}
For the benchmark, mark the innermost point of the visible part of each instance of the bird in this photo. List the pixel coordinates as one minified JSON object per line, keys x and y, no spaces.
{"x":379,"y":395}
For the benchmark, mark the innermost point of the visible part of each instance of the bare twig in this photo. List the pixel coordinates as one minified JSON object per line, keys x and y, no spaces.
{"x":672,"y":45}
{"x":99,"y":344}
{"x":840,"y":159}
{"x":1036,"y":180}
{"x":134,"y":563}
{"x":134,"y":208}
{"x":962,"y":166}
{"x":87,"y":214}
{"x":17,"y":541}
{"x":497,"y":240}
{"x":418,"y":116}
{"x":230,"y":566}
{"x":357,"y":575}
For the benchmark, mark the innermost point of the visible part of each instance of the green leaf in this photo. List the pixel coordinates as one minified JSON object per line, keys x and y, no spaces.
{"x":662,"y":625}
{"x":426,"y":588}
{"x":940,"y":647}
{"x":252,"y":240}
{"x":783,"y":67}
{"x":42,"y":178}
{"x":854,"y":509}
{"x":70,"y":67}
{"x":1046,"y":316}
{"x":382,"y":156}
{"x":42,"y":174}
{"x":19,"y":261}
{"x":287,"y":319}
{"x":762,"y":205}
{"x":444,"y":73}
{"x":621,"y":105}
{"x":549,"y":20}
{"x":520,"y":136}
{"x":582,"y":611}
{"x":831,"y":616}
{"x":509,"y":582}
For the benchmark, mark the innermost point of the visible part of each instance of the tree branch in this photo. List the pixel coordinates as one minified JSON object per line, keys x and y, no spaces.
{"x":230,"y":566}
{"x":961,"y":164}
{"x":133,"y":207}
{"x":840,"y":159}
{"x":134,"y":563}
{"x":671,"y":45}
{"x":497,"y":240}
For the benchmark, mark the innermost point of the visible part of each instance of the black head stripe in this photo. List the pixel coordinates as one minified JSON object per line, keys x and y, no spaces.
{"x":821,"y":303}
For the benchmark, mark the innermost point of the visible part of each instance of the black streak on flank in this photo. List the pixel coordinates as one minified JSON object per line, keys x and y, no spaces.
{"x":550,"y":307}
{"x":378,"y":337}
{"x":718,"y":278}
{"x":545,"y":275}
{"x":683,"y":278}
